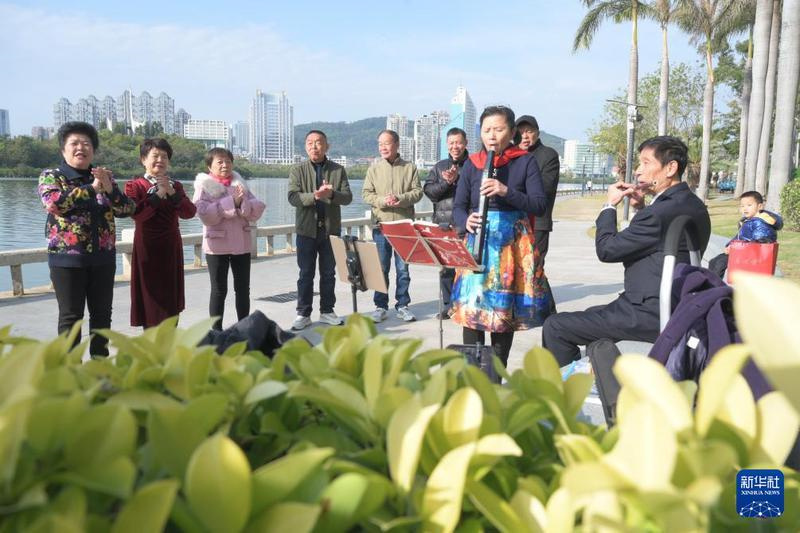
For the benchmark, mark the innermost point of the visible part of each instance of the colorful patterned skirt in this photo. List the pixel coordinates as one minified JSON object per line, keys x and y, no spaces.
{"x":512,"y":293}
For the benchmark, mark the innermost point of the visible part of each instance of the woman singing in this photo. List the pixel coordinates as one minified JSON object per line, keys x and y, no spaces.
{"x":510,"y":294}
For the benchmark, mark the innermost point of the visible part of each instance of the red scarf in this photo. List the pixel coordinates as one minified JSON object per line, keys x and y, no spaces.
{"x":223,"y":180}
{"x":512,"y":152}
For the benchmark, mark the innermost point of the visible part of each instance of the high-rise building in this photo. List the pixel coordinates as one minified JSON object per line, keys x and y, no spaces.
{"x":462,"y":115}
{"x":181,"y":119}
{"x":87,"y":110}
{"x":583,"y":159}
{"x":271,"y":129}
{"x":164,"y":112}
{"x":42,"y":133}
{"x":212,"y":133}
{"x":427,"y":131}
{"x":62,"y":112}
{"x":5,"y":124}
{"x":241,"y":138}
{"x":399,"y":124}
{"x":144,"y":110}
{"x":108,"y":112}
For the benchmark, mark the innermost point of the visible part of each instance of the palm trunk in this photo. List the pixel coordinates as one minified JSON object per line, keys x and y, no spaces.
{"x":633,"y":82}
{"x":785,"y":100}
{"x":747,"y":85}
{"x":769,"y":99}
{"x":708,"y":116}
{"x":760,"y":62}
{"x":663,"y":90}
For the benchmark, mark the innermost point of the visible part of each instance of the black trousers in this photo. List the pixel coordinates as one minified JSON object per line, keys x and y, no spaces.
{"x":501,"y":342}
{"x":619,"y":320}
{"x":718,"y":265}
{"x":309,"y":250}
{"x":80,"y":287}
{"x":542,"y":243}
{"x":218,"y":272}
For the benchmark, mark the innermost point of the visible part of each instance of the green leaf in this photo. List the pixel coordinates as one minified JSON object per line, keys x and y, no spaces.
{"x":264,"y":391}
{"x":497,"y":445}
{"x":576,"y":389}
{"x":147,"y":511}
{"x":372,"y":375}
{"x":714,"y":383}
{"x":478,"y":380}
{"x":530,"y":511}
{"x":276,"y":480}
{"x":101,"y":434}
{"x":649,"y":382}
{"x":577,"y":449}
{"x":50,"y":418}
{"x":218,"y":485}
{"x":287,"y":517}
{"x":347,"y":394}
{"x":191,"y":336}
{"x":767,"y":314}
{"x":20,"y":371}
{"x":540,"y":364}
{"x":404,"y":438}
{"x":175,"y":433}
{"x":441,"y":502}
{"x":143,"y":400}
{"x":647,"y":448}
{"x":114,"y":477}
{"x":560,"y":514}
{"x":778,"y":423}
{"x":738,"y":411}
{"x":462,"y":417}
{"x":347,"y":500}
{"x":498,"y":511}
{"x":388,"y":402}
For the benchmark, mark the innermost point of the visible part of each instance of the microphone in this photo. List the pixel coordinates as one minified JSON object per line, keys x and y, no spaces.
{"x":479,"y":243}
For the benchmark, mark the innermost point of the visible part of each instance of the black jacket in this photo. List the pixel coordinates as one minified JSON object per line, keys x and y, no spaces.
{"x":640,"y":247}
{"x":440,"y":192}
{"x":547,"y":159}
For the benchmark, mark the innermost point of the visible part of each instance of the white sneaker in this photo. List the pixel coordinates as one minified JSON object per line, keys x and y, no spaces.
{"x":301,"y":322}
{"x":405,"y":314}
{"x":378,"y":315}
{"x":330,"y":318}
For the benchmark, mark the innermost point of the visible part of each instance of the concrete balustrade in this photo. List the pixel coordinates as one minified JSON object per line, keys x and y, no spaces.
{"x":14,"y":259}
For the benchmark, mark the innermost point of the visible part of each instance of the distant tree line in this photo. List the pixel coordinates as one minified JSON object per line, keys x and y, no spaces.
{"x":24,"y":156}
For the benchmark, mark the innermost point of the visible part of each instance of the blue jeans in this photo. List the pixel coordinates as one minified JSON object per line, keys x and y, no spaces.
{"x":385,"y":252}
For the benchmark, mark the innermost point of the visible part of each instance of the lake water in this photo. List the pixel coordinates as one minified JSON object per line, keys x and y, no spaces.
{"x":22,"y":220}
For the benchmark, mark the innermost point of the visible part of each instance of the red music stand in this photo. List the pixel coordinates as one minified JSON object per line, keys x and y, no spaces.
{"x":423,"y":243}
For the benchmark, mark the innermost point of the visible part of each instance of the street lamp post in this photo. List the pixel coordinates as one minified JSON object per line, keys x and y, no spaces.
{"x":633,"y":117}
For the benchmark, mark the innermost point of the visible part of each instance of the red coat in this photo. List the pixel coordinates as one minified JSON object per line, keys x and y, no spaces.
{"x":157,"y":264}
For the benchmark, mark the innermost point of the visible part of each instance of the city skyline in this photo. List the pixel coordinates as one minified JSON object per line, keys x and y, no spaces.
{"x":332,"y":78}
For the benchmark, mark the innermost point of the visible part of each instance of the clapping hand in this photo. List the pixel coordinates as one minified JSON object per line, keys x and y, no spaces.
{"x":450,"y":175}
{"x":102,"y":180}
{"x":164,"y":186}
{"x":391,"y":201}
{"x":238,"y":195}
{"x":325,"y":191}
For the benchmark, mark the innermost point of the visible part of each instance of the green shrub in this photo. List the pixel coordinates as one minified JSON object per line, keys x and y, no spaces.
{"x":366,"y":433}
{"x":790,"y":204}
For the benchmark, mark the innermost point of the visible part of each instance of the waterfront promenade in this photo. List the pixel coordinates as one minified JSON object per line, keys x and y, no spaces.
{"x":578,"y":279}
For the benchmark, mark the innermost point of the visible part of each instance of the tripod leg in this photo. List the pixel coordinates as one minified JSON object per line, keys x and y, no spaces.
{"x":355,"y":300}
{"x":441,"y":310}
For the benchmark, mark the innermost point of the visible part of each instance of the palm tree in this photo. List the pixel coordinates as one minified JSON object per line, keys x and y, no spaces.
{"x":618,"y":11}
{"x":769,"y":99}
{"x":744,"y":105}
{"x":663,"y":11}
{"x":708,"y":22}
{"x":761,"y":35}
{"x":785,"y":100}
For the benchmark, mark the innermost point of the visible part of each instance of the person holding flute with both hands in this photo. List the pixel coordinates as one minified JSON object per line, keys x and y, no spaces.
{"x":511,"y":292}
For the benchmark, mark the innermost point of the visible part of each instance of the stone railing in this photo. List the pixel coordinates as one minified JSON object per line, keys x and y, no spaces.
{"x":14,"y":259}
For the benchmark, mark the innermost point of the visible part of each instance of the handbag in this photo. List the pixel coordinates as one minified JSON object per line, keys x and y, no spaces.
{"x":751,"y":256}
{"x":478,"y":355}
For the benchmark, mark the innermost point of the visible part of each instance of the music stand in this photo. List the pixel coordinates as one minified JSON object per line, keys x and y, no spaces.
{"x":358,"y":264}
{"x":426,"y":244}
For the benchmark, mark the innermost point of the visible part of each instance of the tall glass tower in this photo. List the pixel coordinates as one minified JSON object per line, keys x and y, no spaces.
{"x":462,"y":115}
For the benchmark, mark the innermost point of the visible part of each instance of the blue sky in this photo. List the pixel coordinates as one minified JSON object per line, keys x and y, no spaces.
{"x":336,"y":60}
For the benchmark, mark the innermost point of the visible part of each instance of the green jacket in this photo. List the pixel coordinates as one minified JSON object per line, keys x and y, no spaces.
{"x":303,"y":183}
{"x":399,"y":178}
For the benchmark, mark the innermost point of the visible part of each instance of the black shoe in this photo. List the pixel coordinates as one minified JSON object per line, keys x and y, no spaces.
{"x":444,"y":315}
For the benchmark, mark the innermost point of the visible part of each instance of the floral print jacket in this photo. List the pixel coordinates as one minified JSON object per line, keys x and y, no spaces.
{"x":80,"y":229}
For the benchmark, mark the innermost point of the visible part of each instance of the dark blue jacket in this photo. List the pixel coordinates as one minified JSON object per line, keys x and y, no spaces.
{"x":761,"y":228}
{"x":520,"y":175}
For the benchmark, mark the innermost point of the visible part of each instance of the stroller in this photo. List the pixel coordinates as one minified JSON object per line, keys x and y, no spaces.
{"x":696,"y":320}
